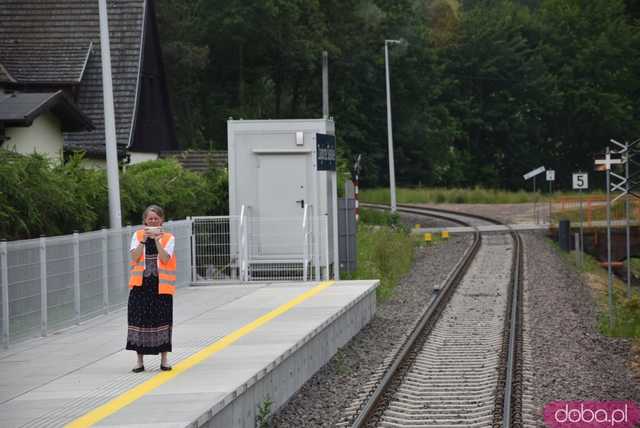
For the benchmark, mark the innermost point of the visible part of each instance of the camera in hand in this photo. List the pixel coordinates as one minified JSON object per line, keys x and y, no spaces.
{"x":153,"y":230}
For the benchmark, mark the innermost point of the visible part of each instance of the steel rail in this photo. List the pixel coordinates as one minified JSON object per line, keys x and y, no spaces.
{"x":429,"y":317}
{"x":512,"y":315}
{"x":436,"y":307}
{"x":513,"y":332}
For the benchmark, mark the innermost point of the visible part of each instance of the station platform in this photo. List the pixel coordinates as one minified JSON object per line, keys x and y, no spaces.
{"x":235,"y":348}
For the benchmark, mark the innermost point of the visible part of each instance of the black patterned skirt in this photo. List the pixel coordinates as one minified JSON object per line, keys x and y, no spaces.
{"x":150,"y":317}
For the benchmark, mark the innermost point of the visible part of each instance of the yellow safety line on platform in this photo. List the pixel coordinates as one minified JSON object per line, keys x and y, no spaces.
{"x":137,"y":392}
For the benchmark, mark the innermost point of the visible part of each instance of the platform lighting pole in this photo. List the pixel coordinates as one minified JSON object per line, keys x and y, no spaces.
{"x":325,"y":84}
{"x":113,"y":181}
{"x":392,"y":173}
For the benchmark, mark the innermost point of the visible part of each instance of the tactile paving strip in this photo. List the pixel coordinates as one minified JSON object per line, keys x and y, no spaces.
{"x":107,"y":391}
{"x":103,"y":393}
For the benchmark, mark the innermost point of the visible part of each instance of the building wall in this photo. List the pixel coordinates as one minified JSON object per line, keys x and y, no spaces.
{"x":137,"y":157}
{"x":249,"y":141}
{"x":94,"y":163}
{"x":44,"y":136}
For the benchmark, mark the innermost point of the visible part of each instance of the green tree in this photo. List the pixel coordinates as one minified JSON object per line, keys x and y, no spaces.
{"x":482,"y":91}
{"x":264,"y":61}
{"x":185,"y":56}
{"x":591,"y":51}
{"x":496,"y":90}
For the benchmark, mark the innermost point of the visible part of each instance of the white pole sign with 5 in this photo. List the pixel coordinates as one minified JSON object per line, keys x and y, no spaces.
{"x":580,"y":181}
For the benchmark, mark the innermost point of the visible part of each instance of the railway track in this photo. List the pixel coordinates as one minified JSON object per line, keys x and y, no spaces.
{"x":460,"y":365}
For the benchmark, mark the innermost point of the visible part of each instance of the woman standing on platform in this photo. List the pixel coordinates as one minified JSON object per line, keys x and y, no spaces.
{"x":152,"y":284}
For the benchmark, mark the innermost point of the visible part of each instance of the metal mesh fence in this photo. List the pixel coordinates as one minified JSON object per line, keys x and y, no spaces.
{"x":59,"y":281}
{"x":117,"y":268}
{"x":50,"y":283}
{"x":214,"y":258}
{"x":91,"y":281}
{"x":24,"y":287}
{"x":240,"y":248}
{"x":182,"y":230}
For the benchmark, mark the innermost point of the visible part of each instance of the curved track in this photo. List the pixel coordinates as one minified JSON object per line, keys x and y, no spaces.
{"x":457,"y":366}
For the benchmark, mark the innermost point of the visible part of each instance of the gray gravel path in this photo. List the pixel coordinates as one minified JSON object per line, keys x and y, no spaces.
{"x":570,"y":359}
{"x":320,"y":401}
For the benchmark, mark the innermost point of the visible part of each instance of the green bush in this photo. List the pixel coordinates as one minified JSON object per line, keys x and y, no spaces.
{"x":180,"y":192}
{"x":40,"y":197}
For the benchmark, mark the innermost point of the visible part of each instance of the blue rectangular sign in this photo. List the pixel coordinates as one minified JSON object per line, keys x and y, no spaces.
{"x":325,"y":152}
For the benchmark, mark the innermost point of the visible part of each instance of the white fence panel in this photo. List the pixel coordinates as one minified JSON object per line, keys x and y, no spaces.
{"x":50,"y":283}
{"x":212,"y":252}
{"x":24,"y":288}
{"x":246,"y":248}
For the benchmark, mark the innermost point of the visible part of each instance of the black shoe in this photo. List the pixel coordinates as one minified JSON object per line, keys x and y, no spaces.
{"x":165,"y":368}
{"x":138,"y":369}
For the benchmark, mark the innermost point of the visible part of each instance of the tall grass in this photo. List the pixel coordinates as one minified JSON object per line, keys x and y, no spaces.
{"x":384,"y":253}
{"x":626,"y":311}
{"x":385,"y":250}
{"x":476,"y":195}
{"x":379,"y":217}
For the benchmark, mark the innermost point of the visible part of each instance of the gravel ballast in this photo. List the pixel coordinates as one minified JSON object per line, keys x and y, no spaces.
{"x":570,"y":359}
{"x":320,"y":402}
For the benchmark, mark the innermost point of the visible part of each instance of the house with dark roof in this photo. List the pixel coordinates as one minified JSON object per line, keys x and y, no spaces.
{"x":51,"y":79}
{"x":36,"y":122}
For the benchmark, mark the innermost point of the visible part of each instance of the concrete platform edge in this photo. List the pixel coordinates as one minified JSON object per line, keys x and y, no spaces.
{"x":283,"y":377}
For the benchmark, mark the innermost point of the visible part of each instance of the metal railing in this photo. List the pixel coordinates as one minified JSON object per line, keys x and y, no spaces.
{"x":260,"y":249}
{"x":54,"y":282}
{"x":243,"y":253}
{"x":212,"y":257}
{"x":306,"y":250}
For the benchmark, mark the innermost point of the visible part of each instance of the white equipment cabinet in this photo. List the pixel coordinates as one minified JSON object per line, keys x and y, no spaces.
{"x":273,"y":184}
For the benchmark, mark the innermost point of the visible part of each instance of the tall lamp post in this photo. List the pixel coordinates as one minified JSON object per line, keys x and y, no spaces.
{"x":392,"y":173}
{"x":113,"y":181}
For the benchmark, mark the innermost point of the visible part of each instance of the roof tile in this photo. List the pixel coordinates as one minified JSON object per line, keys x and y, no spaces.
{"x":57,"y":33}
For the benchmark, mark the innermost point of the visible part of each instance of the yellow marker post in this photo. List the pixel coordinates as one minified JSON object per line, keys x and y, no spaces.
{"x":427,"y":238}
{"x":445,"y":234}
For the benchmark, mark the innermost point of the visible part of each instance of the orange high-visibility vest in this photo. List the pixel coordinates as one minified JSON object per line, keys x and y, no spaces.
{"x":166,"y":271}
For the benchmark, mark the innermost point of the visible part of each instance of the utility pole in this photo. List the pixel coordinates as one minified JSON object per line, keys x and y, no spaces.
{"x":113,"y":181}
{"x":325,"y":85}
{"x":392,"y":172}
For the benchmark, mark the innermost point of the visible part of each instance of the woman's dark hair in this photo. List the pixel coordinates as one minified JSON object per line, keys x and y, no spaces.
{"x":153,"y":208}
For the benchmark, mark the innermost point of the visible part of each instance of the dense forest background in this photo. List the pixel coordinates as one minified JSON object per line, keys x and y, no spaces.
{"x":482,"y":91}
